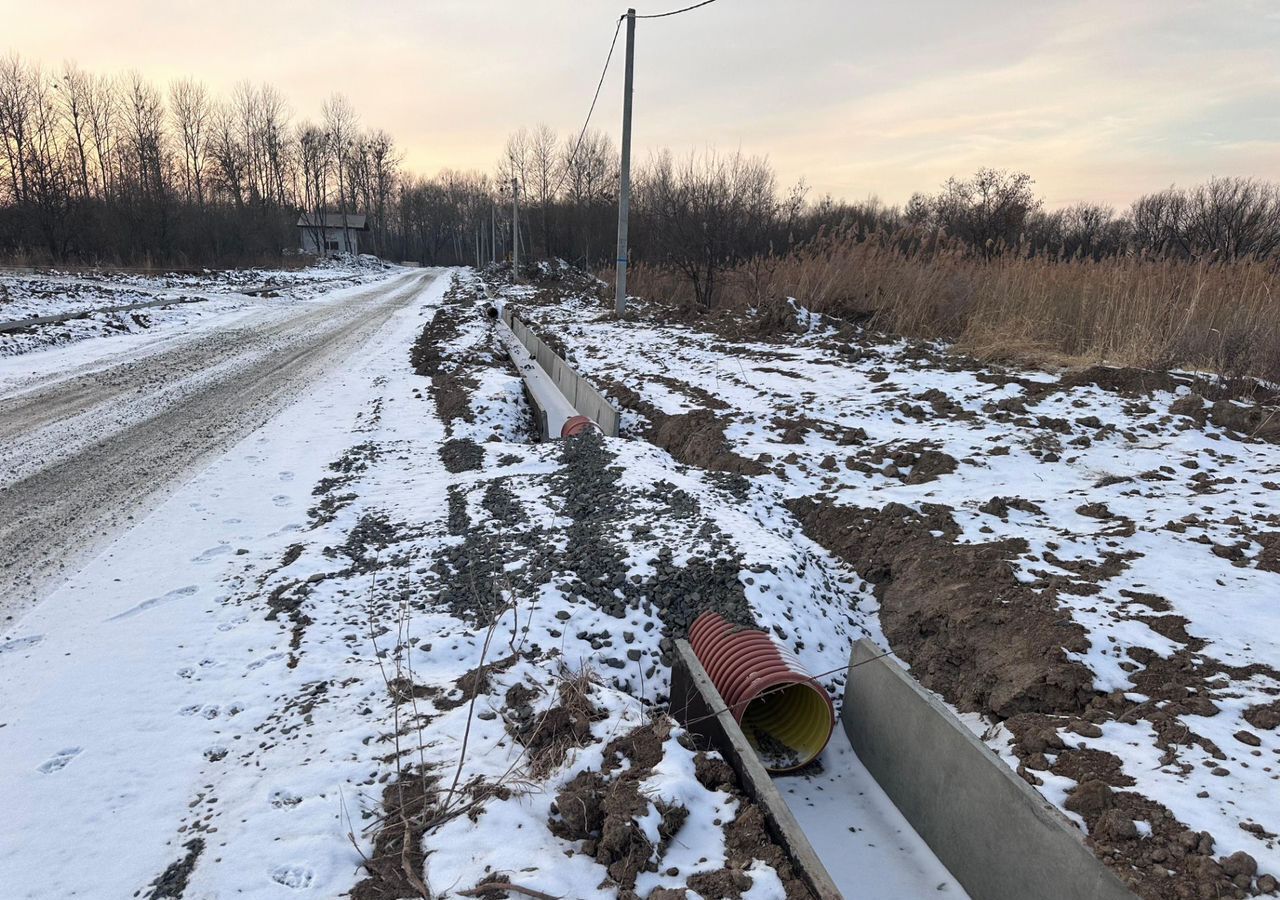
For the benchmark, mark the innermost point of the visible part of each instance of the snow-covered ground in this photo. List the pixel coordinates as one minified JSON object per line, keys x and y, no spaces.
{"x":1093,"y":562}
{"x":186,"y":297}
{"x":383,"y":644}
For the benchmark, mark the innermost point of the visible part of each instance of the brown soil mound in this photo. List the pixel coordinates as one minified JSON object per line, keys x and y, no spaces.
{"x":602,"y":812}
{"x":1120,"y":380}
{"x":1259,"y":422}
{"x":548,"y":736}
{"x":396,"y":863}
{"x":746,"y":838}
{"x":600,"y":809}
{"x":969,"y":629}
{"x":694,"y":438}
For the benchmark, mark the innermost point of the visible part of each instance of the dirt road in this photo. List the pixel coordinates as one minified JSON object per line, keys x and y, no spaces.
{"x":84,"y":452}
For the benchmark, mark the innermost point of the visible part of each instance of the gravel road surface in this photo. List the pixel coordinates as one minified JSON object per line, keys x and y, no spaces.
{"x":84,"y":452}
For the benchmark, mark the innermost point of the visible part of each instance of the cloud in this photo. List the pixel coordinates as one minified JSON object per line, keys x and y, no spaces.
{"x":1095,"y":99}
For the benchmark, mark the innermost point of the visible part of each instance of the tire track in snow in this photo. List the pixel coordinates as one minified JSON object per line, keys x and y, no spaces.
{"x":151,"y":422}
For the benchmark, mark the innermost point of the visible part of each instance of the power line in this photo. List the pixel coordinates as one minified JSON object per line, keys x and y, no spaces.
{"x":675,"y":12}
{"x":583,"y":133}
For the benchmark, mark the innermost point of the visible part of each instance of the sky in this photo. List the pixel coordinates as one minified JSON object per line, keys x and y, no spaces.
{"x":1098,"y":101}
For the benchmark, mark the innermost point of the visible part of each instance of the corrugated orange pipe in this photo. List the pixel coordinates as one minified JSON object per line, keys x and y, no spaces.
{"x":777,"y":703}
{"x":576,"y":425}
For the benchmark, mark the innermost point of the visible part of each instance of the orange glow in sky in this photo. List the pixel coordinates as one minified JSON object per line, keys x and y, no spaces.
{"x":1097,"y":100}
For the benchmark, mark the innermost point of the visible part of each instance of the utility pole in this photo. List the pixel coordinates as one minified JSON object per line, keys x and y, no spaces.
{"x":624,"y":182}
{"x":493,"y":233}
{"x":515,"y":230}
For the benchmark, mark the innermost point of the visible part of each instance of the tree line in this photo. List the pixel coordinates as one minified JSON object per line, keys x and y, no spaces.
{"x":117,"y":170}
{"x":98,"y":169}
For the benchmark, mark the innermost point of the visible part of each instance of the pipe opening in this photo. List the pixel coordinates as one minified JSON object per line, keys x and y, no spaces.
{"x":491,"y":312}
{"x":789,"y":727}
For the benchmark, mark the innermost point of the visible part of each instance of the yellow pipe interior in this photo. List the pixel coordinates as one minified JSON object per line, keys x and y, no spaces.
{"x":795,"y":716}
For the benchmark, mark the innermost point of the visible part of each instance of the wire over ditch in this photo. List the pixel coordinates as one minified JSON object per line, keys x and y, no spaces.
{"x":675,"y":12}
{"x":617,"y":28}
{"x":568,"y":166}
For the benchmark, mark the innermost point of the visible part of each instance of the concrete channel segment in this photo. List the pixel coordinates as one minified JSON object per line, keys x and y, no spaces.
{"x":551,"y":408}
{"x":579,"y":392}
{"x":697,"y":705}
{"x":996,"y":835}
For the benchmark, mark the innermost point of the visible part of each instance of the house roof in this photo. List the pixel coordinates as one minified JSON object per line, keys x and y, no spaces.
{"x":333,"y":220}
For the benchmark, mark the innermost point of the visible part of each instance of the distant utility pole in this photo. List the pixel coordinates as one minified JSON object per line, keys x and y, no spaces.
{"x":624,"y":183}
{"x":515,"y":230}
{"x":493,"y":233}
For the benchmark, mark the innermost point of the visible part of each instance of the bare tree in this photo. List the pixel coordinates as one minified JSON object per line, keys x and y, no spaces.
{"x":17,"y":102}
{"x":707,"y":214}
{"x":191,"y":110}
{"x":543,"y":177}
{"x":341,"y":125}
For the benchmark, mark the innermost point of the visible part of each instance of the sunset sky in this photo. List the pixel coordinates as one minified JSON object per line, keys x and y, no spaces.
{"x":1097,"y":100}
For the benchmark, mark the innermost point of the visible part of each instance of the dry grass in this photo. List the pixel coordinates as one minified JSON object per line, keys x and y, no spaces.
{"x":1221,"y":318}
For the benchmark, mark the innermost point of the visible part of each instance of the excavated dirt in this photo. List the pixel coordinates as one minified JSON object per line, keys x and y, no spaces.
{"x":549,"y":736}
{"x":397,"y":859}
{"x":1173,"y":862}
{"x":955,"y":612}
{"x":694,"y":438}
{"x":600,"y":809}
{"x":746,"y":838}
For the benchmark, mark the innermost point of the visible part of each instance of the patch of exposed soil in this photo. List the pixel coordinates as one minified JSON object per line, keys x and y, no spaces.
{"x":694,"y":438}
{"x":397,"y":859}
{"x":548,"y":736}
{"x":1000,"y":506}
{"x":474,"y":683}
{"x":746,"y":838}
{"x":600,"y":810}
{"x":970,"y":630}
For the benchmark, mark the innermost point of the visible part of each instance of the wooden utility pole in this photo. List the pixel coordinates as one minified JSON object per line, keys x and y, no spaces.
{"x":515,"y":230}
{"x":624,"y":182}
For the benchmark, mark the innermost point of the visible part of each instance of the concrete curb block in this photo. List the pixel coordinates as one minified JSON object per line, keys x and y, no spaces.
{"x":695,"y":700}
{"x":577,"y":390}
{"x":998,"y":836}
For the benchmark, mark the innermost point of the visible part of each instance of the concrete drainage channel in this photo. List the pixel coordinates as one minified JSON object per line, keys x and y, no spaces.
{"x":564,"y":403}
{"x":909,"y":803}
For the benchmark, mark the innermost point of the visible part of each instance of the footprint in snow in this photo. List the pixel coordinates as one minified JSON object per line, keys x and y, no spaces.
{"x":296,"y":877}
{"x":284,"y":800}
{"x":9,"y":646}
{"x":212,"y":553}
{"x":145,"y":605}
{"x":286,"y":476}
{"x":59,"y":760}
{"x":262,"y":661}
{"x":234,"y":623}
{"x":280,"y":499}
